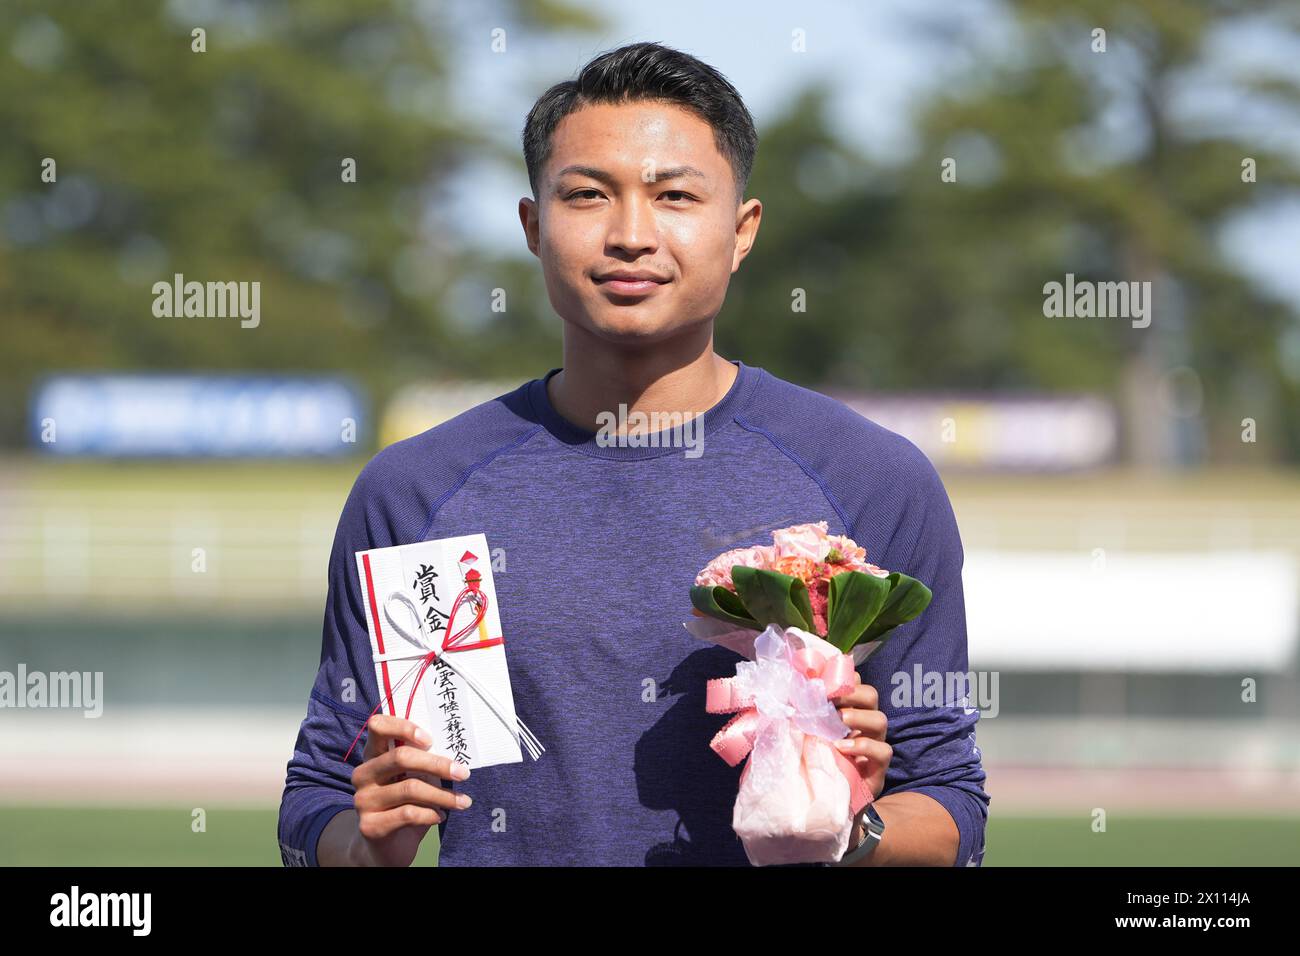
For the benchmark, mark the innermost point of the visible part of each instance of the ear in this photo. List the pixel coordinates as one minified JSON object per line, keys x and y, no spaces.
{"x":748,"y":216}
{"x":528,"y":218}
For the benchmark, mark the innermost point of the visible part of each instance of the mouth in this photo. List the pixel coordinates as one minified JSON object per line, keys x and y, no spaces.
{"x":629,"y":285}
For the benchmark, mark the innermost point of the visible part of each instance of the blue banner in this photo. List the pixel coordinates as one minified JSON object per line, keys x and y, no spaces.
{"x":196,"y":416}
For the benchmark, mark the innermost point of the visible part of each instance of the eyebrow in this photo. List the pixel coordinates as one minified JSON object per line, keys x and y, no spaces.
{"x":600,"y":175}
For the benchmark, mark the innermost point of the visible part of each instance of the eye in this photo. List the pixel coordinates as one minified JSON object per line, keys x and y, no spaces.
{"x":678,"y":192}
{"x":579,"y":192}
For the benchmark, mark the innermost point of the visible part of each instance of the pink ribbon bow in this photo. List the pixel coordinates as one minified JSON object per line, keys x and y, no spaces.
{"x":734,"y":741}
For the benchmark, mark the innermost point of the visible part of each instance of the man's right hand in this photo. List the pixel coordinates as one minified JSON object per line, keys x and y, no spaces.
{"x":398,"y":794}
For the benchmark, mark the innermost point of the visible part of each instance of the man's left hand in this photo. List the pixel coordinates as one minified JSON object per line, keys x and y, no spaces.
{"x":865,"y":745}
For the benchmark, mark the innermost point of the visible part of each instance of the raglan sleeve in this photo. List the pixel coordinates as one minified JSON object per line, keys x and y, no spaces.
{"x":318,"y":782}
{"x":921,"y":673}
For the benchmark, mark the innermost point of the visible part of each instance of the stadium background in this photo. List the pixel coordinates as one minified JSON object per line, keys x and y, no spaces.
{"x":1105,"y":468}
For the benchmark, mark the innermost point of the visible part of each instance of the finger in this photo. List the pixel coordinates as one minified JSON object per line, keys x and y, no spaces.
{"x":873,"y":723}
{"x":376,"y":826}
{"x":857,"y":681}
{"x":410,"y":791}
{"x":862,"y":695}
{"x":381,"y":728}
{"x":874,"y":750}
{"x":854,"y":698}
{"x":402,"y":760}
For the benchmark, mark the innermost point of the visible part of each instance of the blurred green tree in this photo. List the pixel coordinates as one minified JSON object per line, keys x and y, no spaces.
{"x":229,"y":165}
{"x":1067,"y":160}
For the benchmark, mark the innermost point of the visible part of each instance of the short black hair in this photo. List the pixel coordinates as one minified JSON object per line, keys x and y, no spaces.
{"x":647,"y":71}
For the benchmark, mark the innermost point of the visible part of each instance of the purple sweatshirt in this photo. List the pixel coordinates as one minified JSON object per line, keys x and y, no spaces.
{"x":595,"y":547}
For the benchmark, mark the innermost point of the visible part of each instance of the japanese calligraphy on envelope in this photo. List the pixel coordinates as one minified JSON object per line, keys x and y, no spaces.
{"x":438,"y":649}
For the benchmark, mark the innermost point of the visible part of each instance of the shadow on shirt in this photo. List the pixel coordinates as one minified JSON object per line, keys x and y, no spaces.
{"x":677,"y":770}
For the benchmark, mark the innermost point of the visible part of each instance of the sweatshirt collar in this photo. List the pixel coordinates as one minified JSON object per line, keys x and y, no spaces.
{"x":596,"y":445}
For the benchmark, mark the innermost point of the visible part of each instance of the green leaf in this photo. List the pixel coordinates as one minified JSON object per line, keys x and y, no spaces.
{"x":773,"y":598}
{"x":854,"y":598}
{"x":908,"y":597}
{"x":721,"y":603}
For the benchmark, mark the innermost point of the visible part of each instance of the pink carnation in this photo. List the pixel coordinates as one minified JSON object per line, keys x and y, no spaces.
{"x":718,"y":571}
{"x":812,"y":541}
{"x":852,"y":552}
{"x":802,"y":541}
{"x":800,"y":550}
{"x":870,"y":569}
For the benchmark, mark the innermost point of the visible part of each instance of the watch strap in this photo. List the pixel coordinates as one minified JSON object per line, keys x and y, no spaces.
{"x":873,"y":829}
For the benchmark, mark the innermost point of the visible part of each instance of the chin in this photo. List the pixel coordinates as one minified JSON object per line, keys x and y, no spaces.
{"x":628,"y":326}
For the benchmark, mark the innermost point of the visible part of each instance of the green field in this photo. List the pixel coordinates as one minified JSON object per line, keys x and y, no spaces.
{"x":37,"y":836}
{"x":75,"y":836}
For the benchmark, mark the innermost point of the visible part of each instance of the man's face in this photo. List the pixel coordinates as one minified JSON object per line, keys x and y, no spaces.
{"x":637,"y":188}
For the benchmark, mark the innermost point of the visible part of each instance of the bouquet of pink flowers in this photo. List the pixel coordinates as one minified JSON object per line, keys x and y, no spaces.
{"x":805,"y":611}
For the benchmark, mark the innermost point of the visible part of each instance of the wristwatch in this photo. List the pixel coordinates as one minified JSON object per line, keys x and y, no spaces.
{"x":873,"y":827}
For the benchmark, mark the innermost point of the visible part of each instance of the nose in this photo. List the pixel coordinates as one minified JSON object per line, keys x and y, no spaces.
{"x":632,"y":228}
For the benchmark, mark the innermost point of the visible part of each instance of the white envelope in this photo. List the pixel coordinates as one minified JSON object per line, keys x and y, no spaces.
{"x":467,"y":707}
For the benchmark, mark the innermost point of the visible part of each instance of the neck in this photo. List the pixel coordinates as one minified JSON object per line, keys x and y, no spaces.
{"x":680,"y":375}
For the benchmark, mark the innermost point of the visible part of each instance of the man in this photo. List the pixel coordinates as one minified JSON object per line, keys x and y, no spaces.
{"x":638,"y":170}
